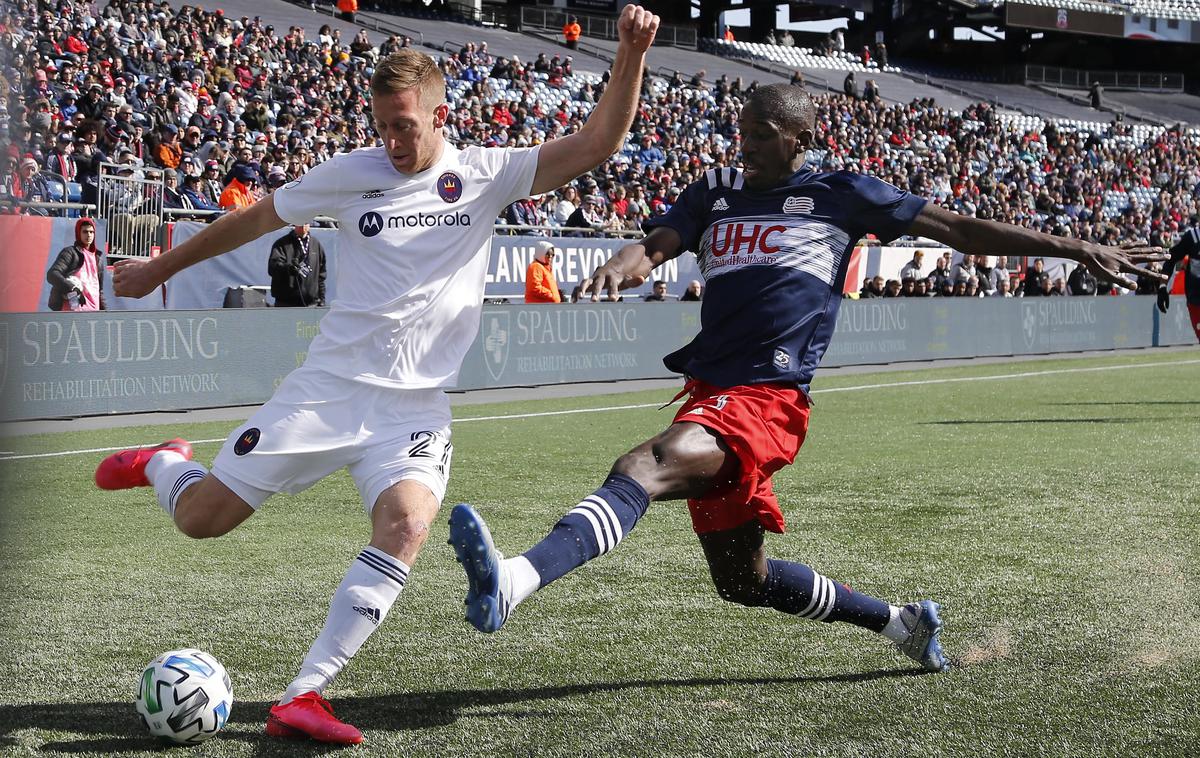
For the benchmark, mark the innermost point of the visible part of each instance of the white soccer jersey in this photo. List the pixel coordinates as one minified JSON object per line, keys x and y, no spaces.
{"x":412,"y":257}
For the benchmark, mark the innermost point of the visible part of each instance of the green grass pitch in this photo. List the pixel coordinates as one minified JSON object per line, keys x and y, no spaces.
{"x":1054,"y":515}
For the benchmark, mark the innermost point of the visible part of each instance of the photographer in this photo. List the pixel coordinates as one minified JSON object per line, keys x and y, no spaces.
{"x":297,"y":269}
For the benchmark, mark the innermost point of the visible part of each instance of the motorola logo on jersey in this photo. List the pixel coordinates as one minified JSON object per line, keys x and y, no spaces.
{"x":370,"y":224}
{"x":740,"y":238}
{"x":449,"y":187}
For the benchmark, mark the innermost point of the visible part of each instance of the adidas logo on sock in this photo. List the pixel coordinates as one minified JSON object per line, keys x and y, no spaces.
{"x":370,"y":613}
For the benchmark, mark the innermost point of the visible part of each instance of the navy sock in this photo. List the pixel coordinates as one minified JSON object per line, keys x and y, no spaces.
{"x":797,"y":589}
{"x":591,"y":529}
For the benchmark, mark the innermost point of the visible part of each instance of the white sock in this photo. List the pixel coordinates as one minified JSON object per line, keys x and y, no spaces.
{"x":170,"y":474}
{"x":525,"y":579}
{"x":895,"y":630}
{"x":359,"y":606}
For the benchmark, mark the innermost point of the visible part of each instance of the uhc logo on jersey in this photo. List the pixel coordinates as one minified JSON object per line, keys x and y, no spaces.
{"x":370,"y":224}
{"x":740,"y":238}
{"x":449,"y":187}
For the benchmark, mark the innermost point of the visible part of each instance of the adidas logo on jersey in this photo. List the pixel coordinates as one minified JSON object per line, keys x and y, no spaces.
{"x":720,"y":205}
{"x":372,"y":194}
{"x":798,"y":205}
{"x":370,"y":613}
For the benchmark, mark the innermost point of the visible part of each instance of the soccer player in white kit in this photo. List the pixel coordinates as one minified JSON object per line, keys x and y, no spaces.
{"x":415,"y":218}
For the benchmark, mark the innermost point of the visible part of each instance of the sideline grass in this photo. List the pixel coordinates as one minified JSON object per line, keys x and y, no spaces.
{"x":1054,"y":517}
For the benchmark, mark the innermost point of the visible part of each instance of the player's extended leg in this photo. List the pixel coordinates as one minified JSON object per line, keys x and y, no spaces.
{"x":399,"y":527}
{"x":199,"y":503}
{"x":742,"y":573}
{"x":682,"y":461}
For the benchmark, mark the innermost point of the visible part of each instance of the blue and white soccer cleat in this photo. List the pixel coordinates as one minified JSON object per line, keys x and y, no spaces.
{"x":489,"y":584}
{"x":924,"y":627}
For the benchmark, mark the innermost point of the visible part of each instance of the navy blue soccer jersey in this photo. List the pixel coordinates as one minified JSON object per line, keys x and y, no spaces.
{"x":775,"y":264}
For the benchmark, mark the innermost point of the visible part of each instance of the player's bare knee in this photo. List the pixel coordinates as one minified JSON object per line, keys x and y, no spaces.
{"x":635,"y":464}
{"x":400,"y":533}
{"x":668,"y":452}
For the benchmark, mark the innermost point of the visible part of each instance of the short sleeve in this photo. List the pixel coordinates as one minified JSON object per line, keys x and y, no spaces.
{"x":316,"y":193}
{"x":513,"y":170}
{"x":688,"y":217}
{"x":886,"y":210}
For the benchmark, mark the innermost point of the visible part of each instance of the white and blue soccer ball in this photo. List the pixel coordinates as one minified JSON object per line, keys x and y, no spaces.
{"x":184,"y":696}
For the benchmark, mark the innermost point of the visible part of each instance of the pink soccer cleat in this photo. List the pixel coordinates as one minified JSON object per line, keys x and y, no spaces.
{"x":310,"y":715}
{"x":126,"y":469}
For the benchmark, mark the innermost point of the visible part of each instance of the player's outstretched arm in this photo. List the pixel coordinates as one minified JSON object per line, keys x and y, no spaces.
{"x":138,"y":278}
{"x":561,"y":160}
{"x":633,"y":263}
{"x":981,"y":237}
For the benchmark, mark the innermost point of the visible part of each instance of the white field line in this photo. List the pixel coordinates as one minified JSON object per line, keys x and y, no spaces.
{"x":854,"y":388}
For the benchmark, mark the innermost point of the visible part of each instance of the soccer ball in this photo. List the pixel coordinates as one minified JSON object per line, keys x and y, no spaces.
{"x":184,"y":696}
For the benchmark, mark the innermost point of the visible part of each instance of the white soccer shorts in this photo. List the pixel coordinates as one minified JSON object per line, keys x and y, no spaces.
{"x":317,"y":423}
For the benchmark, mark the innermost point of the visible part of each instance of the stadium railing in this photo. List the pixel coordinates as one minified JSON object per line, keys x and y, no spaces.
{"x":1141,"y":81}
{"x":972,"y":95}
{"x":189,"y":214}
{"x":593,"y":50}
{"x":565,"y":231}
{"x":58,"y":209}
{"x":180,"y":214}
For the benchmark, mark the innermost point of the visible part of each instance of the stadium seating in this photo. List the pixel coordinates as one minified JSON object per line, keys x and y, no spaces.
{"x":1068,"y":174}
{"x":1185,"y":10}
{"x":1093,"y":6}
{"x":798,"y":57}
{"x":1188,"y":10}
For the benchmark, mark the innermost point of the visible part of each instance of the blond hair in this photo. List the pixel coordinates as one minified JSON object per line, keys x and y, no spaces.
{"x":405,"y":69}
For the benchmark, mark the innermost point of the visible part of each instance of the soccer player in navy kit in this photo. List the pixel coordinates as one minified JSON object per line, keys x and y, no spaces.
{"x":1186,"y":251}
{"x":773,"y":241}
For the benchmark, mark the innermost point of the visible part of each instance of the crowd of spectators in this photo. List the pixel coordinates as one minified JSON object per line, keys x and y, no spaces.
{"x":217,"y":102}
{"x":233,"y":107}
{"x":985,"y":276}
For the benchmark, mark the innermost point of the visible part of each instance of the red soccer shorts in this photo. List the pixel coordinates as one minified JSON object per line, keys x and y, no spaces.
{"x":764,"y":425}
{"x":1194,"y":314}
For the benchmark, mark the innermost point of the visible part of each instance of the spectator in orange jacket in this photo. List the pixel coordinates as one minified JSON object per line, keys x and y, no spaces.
{"x":571,"y":32}
{"x":347,"y":9}
{"x":540,"y":284}
{"x":169,"y":152}
{"x":240,"y":192}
